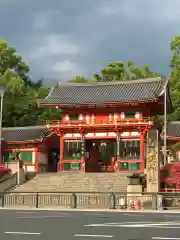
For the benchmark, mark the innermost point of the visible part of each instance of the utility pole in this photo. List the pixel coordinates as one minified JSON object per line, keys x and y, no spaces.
{"x":2,"y":90}
{"x":165,"y":123}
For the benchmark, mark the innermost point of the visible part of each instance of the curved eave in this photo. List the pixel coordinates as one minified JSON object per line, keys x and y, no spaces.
{"x":89,"y":105}
{"x":35,"y":141}
{"x":46,"y":137}
{"x":24,"y":142}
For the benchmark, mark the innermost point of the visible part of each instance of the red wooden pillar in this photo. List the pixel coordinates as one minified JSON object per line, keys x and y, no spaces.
{"x":61,"y":152}
{"x":116,"y":163}
{"x":142,"y":151}
{"x":36,"y":158}
{"x":2,"y":151}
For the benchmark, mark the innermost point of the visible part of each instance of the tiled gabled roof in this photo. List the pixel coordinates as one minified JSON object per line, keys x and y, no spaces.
{"x":101,"y":93}
{"x":173,"y":130}
{"x":21,"y":134}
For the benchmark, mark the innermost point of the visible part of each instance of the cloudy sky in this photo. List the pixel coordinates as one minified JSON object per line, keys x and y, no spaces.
{"x":60,"y":39}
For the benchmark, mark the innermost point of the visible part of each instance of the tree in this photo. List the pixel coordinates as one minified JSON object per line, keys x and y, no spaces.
{"x":140,"y":72}
{"x":175,"y":83}
{"x":20,"y":100}
{"x":118,"y":71}
{"x":12,"y":81}
{"x":9,"y":59}
{"x":175,"y":77}
{"x":175,"y":60}
{"x":113,"y":72}
{"x":81,"y":79}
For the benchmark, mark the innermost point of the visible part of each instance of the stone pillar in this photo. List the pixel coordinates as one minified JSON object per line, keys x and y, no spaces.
{"x":142,"y":151}
{"x":153,"y":163}
{"x":118,"y":145}
{"x":83,"y":158}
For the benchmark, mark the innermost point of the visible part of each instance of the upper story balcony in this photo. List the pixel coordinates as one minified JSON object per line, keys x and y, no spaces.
{"x":99,"y":123}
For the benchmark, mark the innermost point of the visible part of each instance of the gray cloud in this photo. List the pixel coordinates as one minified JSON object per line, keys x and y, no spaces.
{"x":61,"y":39}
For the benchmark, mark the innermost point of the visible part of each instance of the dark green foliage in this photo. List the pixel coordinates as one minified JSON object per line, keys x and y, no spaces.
{"x":20,"y":100}
{"x":175,"y":77}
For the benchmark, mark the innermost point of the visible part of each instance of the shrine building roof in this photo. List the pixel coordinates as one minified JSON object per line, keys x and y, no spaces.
{"x":142,"y":91}
{"x":173,"y":130}
{"x":25,"y":134}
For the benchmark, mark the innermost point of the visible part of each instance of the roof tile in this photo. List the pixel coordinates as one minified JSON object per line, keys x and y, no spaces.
{"x":173,"y":129}
{"x":13,"y":134}
{"x":124,"y":91}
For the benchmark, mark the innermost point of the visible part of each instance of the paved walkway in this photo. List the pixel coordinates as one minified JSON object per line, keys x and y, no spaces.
{"x":88,"y":210}
{"x":72,"y":225}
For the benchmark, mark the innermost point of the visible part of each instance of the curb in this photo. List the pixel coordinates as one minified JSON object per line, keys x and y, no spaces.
{"x":91,"y":210}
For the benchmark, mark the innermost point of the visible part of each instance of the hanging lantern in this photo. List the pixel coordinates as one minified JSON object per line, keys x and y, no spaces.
{"x":66,"y":117}
{"x":81,"y":117}
{"x":122,"y":115}
{"x":110,"y":117}
{"x":137,"y":115}
{"x":115,"y":117}
{"x":131,"y":144}
{"x":87,"y":118}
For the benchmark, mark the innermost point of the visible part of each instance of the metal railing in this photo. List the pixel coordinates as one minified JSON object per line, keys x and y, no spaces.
{"x":4,"y":177}
{"x":93,"y":200}
{"x":8,"y":182}
{"x":171,"y":200}
{"x":82,"y":200}
{"x":99,"y":122}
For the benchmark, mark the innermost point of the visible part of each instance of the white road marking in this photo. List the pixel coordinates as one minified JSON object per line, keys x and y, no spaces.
{"x":173,"y":227}
{"x":94,"y":214}
{"x":109,"y":224}
{"x":57,"y":213}
{"x":172,"y":216}
{"x":42,"y":217}
{"x":150,"y":224}
{"x":23,"y":233}
{"x":133,"y":215}
{"x":89,"y":235}
{"x":26,"y":212}
{"x":138,"y":225}
{"x":165,"y":238}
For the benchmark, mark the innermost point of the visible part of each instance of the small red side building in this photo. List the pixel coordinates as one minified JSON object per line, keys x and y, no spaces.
{"x":35,"y":144}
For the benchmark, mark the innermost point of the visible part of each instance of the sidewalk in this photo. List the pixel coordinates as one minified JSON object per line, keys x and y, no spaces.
{"x":90,"y":210}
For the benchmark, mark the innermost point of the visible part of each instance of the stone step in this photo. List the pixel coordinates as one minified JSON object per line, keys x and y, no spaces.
{"x":76,"y":182}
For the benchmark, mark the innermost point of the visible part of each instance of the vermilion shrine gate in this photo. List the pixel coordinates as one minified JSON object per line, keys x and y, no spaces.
{"x":109,"y":126}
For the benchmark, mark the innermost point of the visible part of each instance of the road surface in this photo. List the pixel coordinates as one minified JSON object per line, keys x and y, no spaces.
{"x":67,"y":225}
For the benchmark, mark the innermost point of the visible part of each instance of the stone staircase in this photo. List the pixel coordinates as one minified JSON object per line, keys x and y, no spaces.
{"x":76,"y":182}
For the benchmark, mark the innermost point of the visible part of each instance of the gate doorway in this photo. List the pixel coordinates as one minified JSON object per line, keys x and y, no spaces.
{"x":53,"y":159}
{"x":99,"y":154}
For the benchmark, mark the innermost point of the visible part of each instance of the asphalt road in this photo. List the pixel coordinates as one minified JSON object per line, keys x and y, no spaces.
{"x":66,"y":225}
